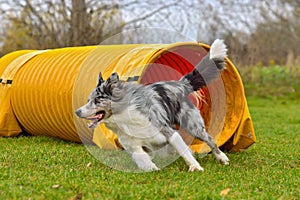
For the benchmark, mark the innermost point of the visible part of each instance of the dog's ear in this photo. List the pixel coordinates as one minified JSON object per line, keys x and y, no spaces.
{"x":100,"y":79}
{"x":114,"y":78}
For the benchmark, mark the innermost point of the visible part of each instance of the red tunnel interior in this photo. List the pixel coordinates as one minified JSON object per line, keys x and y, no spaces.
{"x":173,"y":64}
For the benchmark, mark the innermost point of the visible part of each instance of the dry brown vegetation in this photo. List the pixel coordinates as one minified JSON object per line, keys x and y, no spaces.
{"x":258,"y":33}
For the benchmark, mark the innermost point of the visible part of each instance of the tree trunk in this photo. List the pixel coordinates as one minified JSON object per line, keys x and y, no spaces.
{"x":79,"y":24}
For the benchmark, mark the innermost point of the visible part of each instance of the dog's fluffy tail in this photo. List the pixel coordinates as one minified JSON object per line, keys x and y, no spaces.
{"x":209,"y":68}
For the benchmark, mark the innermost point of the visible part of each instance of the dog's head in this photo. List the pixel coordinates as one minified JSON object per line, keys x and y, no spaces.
{"x":98,"y":107}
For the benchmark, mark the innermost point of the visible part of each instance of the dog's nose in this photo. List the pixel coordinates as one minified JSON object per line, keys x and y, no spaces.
{"x":78,"y":112}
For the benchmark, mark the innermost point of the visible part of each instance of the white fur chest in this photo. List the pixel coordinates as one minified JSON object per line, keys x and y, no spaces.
{"x":135,"y":129}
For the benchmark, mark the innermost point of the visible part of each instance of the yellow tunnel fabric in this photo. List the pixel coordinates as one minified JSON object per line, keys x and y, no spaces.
{"x":11,"y":64}
{"x":48,"y":86}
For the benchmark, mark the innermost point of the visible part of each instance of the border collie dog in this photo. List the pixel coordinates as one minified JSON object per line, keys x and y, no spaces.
{"x":143,"y":117}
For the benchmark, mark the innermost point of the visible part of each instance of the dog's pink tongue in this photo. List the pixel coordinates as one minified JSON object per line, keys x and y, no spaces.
{"x":99,"y":116}
{"x":96,"y":119}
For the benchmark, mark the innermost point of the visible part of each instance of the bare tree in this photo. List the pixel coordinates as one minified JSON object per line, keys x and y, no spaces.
{"x":55,"y":23}
{"x":147,"y":21}
{"x":79,"y":26}
{"x":277,"y":33}
{"x":256,"y":31}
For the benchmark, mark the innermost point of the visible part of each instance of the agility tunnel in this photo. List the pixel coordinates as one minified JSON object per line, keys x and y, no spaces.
{"x":40,"y":91}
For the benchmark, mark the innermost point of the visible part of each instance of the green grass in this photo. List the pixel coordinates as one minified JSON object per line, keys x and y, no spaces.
{"x":274,"y":82}
{"x":31,"y":166}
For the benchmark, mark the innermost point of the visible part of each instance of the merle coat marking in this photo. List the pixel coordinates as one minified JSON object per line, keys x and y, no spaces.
{"x":143,"y":117}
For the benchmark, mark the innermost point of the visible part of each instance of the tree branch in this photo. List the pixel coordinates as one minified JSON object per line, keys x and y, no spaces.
{"x":37,"y":15}
{"x":151,"y":13}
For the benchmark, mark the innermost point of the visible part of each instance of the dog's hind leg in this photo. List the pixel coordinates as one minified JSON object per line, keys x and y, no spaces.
{"x":159,"y":119}
{"x":191,"y":121}
{"x":184,"y":151}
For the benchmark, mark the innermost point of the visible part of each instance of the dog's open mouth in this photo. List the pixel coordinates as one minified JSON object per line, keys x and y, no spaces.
{"x":96,"y":119}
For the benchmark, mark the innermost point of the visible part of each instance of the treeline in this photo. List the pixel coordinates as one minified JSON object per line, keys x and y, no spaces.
{"x":257,"y":33}
{"x":274,"y":41}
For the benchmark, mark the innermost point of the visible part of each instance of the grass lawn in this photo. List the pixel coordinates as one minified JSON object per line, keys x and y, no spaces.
{"x":47,"y":168}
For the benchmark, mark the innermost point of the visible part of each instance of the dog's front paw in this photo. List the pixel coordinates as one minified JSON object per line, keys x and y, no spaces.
{"x":194,"y":168}
{"x":222,"y":158}
{"x":149,"y":168}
